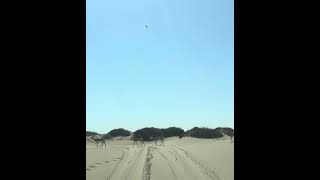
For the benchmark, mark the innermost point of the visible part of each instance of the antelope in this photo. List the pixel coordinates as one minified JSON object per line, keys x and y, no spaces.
{"x":159,"y":138}
{"x":136,"y":140}
{"x":181,"y":136}
{"x":99,"y":140}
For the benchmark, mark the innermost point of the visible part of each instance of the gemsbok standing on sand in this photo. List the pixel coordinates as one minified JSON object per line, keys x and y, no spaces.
{"x":99,"y":140}
{"x":136,"y":140}
{"x":159,"y":138}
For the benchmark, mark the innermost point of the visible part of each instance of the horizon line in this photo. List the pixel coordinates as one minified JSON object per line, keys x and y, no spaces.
{"x":161,"y":128}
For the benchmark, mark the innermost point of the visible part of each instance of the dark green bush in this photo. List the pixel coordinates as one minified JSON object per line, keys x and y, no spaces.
{"x":107,"y":136}
{"x":119,"y":132}
{"x":204,"y":133}
{"x":148,"y":133}
{"x":172,"y":131}
{"x":89,"y":133}
{"x":226,"y":131}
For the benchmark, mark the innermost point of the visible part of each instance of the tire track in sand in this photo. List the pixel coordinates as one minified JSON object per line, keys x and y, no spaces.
{"x":210,"y":173}
{"x":183,"y":167}
{"x":131,"y":166}
{"x":180,"y":167}
{"x":115,"y":168}
{"x":147,"y":164}
{"x":170,"y":164}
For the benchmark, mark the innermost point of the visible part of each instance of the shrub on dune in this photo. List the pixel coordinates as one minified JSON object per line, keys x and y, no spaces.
{"x":89,"y":133}
{"x":107,"y":136}
{"x":119,"y":132}
{"x":150,"y":132}
{"x":172,"y":131}
{"x":225,"y":130}
{"x":204,"y":133}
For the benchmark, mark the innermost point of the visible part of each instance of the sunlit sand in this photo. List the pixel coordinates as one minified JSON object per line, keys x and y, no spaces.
{"x":179,"y":159}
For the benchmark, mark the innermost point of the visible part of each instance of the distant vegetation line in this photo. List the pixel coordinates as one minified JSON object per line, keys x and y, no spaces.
{"x":149,"y":132}
{"x":90,"y":133}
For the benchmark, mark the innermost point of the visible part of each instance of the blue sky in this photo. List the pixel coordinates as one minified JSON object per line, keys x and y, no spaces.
{"x":178,"y":72}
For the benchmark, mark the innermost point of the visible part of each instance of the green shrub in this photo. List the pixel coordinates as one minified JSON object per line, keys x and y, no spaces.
{"x":148,"y":133}
{"x":107,"y":136}
{"x":204,"y":133}
{"x":172,"y":131}
{"x":226,"y":131}
{"x":119,"y":132}
{"x":89,"y":133}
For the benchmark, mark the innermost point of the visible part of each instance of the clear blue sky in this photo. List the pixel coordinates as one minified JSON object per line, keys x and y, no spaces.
{"x":178,"y":72}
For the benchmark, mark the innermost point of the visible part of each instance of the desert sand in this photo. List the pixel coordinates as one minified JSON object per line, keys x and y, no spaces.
{"x":179,"y":159}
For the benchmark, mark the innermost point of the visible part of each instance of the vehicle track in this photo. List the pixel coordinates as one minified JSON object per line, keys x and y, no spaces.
{"x":181,"y":166}
{"x":142,"y":163}
{"x":131,"y":165}
{"x":115,"y":168}
{"x":210,"y":173}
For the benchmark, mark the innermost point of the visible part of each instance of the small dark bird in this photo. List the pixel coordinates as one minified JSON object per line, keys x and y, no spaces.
{"x":146,"y":26}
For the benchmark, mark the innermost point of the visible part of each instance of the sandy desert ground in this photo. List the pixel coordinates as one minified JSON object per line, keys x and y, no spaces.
{"x":179,"y":159}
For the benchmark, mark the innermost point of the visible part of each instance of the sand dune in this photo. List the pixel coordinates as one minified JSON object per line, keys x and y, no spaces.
{"x":179,"y":159}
